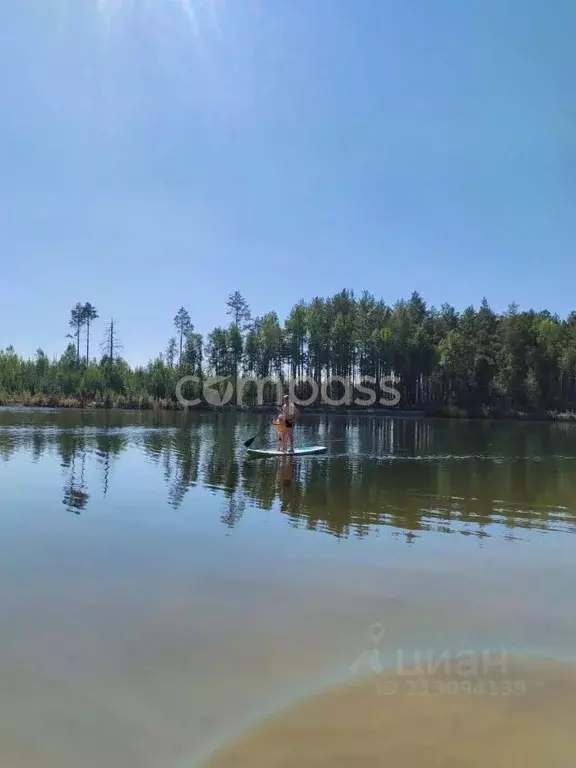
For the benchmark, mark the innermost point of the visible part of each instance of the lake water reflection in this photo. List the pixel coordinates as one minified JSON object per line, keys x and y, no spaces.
{"x":160,"y":590}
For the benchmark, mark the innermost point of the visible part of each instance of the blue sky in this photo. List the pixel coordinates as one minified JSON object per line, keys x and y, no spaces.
{"x":155,"y":154}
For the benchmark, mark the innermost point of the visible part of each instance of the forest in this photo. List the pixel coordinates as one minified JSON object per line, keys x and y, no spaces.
{"x":474,"y":362}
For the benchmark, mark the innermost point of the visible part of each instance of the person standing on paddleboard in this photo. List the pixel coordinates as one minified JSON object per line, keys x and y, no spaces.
{"x":288,"y":415}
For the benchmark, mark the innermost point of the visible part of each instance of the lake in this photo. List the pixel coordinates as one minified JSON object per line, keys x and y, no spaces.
{"x":162,"y":593}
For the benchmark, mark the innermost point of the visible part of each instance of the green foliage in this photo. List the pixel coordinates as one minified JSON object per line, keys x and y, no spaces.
{"x":183,"y":326}
{"x":472,"y":361}
{"x":237,"y":308}
{"x":76,"y":323}
{"x":89,"y":314}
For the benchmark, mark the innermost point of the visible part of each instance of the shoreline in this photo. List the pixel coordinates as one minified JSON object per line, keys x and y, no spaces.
{"x":451,"y":413}
{"x":286,"y":703}
{"x":379,"y":716}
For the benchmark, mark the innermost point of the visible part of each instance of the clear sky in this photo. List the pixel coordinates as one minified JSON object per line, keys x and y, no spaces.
{"x":156,"y":153}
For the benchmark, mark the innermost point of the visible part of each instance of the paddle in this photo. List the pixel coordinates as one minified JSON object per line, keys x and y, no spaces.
{"x":249,"y":442}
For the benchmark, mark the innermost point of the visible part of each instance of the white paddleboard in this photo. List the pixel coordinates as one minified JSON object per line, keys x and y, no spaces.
{"x":296,"y":452}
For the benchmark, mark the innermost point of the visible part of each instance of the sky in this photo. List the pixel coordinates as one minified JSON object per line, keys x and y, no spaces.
{"x":159,"y":153}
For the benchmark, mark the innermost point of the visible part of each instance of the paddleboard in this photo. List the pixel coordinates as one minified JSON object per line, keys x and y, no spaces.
{"x":296,"y":452}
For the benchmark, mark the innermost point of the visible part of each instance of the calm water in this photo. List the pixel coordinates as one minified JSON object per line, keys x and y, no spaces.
{"x":160,"y":591}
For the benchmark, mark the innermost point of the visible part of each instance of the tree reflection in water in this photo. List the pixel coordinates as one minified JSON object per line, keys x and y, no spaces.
{"x":480,"y":480}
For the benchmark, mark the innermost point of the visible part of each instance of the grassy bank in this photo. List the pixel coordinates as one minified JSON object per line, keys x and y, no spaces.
{"x":146,"y":402}
{"x":455,"y":412}
{"x":140,"y":403}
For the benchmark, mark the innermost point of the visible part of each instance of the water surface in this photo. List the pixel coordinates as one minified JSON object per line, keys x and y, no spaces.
{"x":160,"y":591}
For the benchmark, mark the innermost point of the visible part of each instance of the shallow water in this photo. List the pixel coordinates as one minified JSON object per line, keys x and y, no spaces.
{"x":160,"y":591}
{"x":517,"y":711}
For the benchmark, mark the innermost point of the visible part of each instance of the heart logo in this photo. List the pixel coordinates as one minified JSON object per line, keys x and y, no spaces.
{"x":211,"y":391}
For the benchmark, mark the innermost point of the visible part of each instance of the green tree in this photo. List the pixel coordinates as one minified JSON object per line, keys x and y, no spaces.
{"x":89,"y":314}
{"x":171,"y":350}
{"x":237,"y":307}
{"x":76,"y":322}
{"x":476,"y":360}
{"x":218,"y":352}
{"x":192,"y":355}
{"x":295,"y":335}
{"x":318,"y":338}
{"x":183,"y":326}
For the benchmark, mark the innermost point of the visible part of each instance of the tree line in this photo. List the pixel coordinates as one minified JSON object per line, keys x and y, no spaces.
{"x":475,"y":360}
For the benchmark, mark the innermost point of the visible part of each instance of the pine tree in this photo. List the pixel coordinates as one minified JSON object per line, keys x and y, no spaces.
{"x":183,"y":325}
